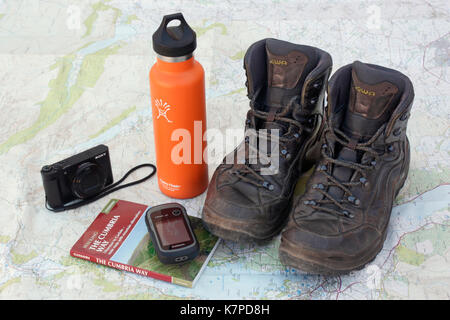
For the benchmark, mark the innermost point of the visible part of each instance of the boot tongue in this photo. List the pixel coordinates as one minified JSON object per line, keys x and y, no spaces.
{"x":287,"y":68}
{"x":373,"y":96}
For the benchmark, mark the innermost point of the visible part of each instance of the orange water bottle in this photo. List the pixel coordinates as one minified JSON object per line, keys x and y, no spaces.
{"x":177,"y":90}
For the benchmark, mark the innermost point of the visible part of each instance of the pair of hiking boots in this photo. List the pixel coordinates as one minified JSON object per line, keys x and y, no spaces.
{"x":357,"y":144}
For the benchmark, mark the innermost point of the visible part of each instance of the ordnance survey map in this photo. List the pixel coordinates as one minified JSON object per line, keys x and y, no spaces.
{"x":75,"y":75}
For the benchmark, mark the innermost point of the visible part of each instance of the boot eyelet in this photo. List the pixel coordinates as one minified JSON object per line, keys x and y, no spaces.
{"x":317,"y":84}
{"x":247,"y":139}
{"x":390,"y":148}
{"x":364,"y":181}
{"x":373,"y":163}
{"x":296,"y":135}
{"x":319,"y":186}
{"x":313,"y":101}
{"x":404,"y":117}
{"x":348,"y":214}
{"x":268,"y":186}
{"x":323,"y":168}
{"x":284,"y":152}
{"x":397,"y":132}
{"x":324,"y":146}
{"x":353,"y":200}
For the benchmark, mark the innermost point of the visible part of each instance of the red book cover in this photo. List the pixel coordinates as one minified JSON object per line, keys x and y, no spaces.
{"x":118,"y":238}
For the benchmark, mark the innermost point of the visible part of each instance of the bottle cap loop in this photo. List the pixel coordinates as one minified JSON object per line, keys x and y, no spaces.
{"x":174,"y":41}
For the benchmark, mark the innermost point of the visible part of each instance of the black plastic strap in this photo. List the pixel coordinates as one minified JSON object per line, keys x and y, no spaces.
{"x":109,"y":189}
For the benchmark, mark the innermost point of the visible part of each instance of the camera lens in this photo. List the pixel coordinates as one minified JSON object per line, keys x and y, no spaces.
{"x":176,"y":212}
{"x":89,"y":180}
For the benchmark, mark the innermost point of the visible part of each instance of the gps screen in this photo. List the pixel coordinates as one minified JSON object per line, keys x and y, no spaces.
{"x":172,"y":230}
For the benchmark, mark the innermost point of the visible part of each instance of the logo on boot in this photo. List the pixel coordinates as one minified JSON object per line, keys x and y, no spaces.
{"x":278,"y":62}
{"x":365,"y":91}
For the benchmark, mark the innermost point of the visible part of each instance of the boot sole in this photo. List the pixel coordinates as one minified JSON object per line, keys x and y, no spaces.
{"x":302,"y":259}
{"x":240,"y":231}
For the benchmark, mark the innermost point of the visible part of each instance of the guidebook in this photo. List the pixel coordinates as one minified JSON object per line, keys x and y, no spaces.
{"x":119,"y":238}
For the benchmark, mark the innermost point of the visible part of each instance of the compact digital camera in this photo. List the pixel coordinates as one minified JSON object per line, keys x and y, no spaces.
{"x":79,"y":177}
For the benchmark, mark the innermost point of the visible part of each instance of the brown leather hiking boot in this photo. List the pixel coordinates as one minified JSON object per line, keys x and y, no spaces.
{"x":340,"y":223}
{"x":248,"y":198}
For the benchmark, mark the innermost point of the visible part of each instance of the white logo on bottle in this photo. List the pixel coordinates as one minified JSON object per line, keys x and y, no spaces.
{"x":162,"y":107}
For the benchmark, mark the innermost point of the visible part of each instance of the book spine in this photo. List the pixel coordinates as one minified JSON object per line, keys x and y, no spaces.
{"x":122,"y":266}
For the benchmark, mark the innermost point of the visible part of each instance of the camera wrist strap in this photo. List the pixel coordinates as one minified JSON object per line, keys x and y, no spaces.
{"x":109,"y":189}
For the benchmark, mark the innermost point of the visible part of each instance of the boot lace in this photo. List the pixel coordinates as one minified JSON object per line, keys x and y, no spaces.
{"x":251,"y":173}
{"x":345,"y":205}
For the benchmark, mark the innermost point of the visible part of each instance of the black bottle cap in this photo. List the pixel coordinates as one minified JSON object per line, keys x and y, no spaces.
{"x":174,"y":41}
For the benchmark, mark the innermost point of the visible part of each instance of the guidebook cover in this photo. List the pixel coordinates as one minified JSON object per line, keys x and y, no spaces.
{"x":119,"y":238}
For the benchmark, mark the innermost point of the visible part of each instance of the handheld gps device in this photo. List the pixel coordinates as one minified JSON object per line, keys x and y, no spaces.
{"x":171,"y":233}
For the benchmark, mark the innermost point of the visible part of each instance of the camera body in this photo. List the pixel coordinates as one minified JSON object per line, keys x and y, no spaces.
{"x":171,"y":232}
{"x":79,"y":177}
